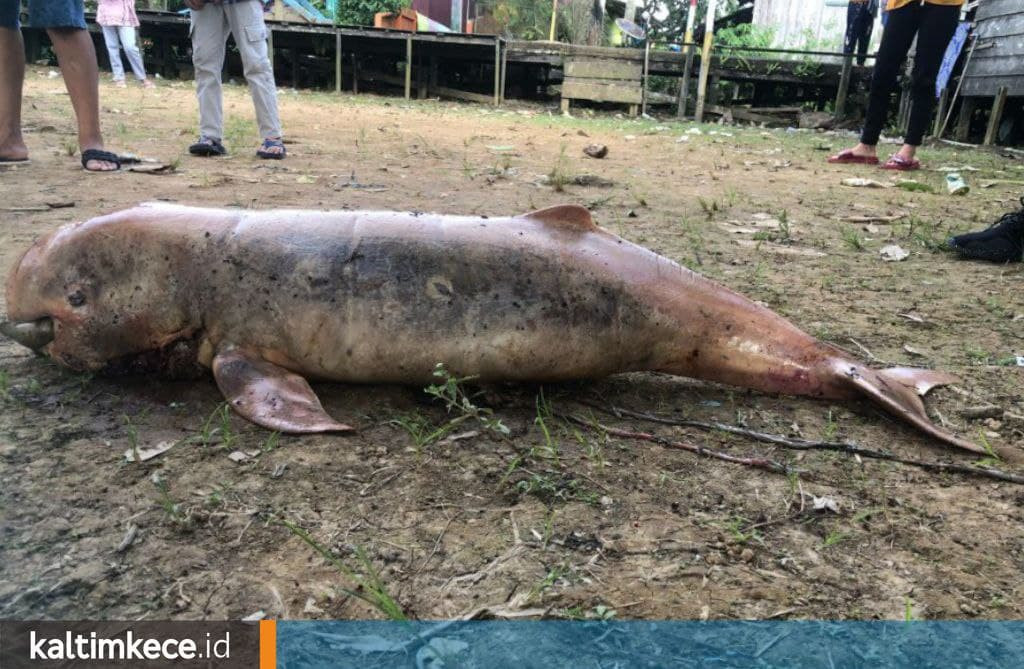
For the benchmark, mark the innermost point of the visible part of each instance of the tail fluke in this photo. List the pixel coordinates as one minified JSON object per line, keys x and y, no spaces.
{"x":899,"y":391}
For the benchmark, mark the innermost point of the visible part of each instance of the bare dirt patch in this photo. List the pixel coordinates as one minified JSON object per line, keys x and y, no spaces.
{"x":554,"y":517}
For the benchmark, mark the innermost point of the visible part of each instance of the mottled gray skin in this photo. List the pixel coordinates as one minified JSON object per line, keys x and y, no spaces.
{"x":361,"y":297}
{"x":383,"y":297}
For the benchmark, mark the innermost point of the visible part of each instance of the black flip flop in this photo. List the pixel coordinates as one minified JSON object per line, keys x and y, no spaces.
{"x":100,"y":155}
{"x":206,"y":147}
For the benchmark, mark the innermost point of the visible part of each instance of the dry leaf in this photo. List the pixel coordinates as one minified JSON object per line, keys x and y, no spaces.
{"x":148,"y":453}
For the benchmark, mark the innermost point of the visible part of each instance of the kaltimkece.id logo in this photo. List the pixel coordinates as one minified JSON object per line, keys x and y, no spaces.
{"x":148,"y":644}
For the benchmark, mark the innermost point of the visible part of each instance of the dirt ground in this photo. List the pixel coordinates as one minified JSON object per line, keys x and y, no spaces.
{"x":554,"y":520}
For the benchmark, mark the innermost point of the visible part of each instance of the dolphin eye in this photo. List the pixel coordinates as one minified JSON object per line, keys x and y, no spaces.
{"x":76,"y":299}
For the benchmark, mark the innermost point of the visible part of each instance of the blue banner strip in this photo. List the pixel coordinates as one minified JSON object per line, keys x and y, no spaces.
{"x":764,"y":645}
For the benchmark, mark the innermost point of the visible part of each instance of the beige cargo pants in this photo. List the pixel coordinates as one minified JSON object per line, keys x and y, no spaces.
{"x":210,"y":28}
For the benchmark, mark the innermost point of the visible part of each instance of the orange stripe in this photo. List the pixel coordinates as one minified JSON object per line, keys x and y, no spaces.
{"x":268,"y":644}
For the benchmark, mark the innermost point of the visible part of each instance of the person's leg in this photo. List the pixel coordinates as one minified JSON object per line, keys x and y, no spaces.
{"x":12,"y":77}
{"x":938,"y":23}
{"x":850,"y":38}
{"x":110,"y":38}
{"x":867,"y":26}
{"x":64,"y":21}
{"x":250,"y":31}
{"x":209,"y":39}
{"x":131,"y":49}
{"x":77,"y":59}
{"x":892,"y":53}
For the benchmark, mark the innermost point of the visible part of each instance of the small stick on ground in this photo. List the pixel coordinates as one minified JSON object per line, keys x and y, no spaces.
{"x":867,"y":352}
{"x":758,"y":463}
{"x":437,"y":543}
{"x":805,"y":445}
{"x":516,"y":539}
{"x":129,"y":538}
{"x":238,"y":541}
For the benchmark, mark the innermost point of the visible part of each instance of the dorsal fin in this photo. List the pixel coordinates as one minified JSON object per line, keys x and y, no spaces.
{"x":567,"y":216}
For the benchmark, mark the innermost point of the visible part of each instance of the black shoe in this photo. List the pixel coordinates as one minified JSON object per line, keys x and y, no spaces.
{"x":1003,"y":241}
{"x":207,"y":146}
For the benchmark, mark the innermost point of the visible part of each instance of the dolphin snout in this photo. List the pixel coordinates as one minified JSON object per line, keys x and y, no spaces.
{"x":33,"y":334}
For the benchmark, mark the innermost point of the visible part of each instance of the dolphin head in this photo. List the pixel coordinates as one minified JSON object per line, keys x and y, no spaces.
{"x":93,"y":292}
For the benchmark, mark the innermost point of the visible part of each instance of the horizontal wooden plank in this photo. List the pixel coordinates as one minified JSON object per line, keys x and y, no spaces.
{"x":989,"y":86}
{"x":617,"y":82}
{"x":1006,"y":26}
{"x":603,"y":68}
{"x":582,"y":50}
{"x":990,"y":66}
{"x":1001,"y":47}
{"x":991,"y":8}
{"x":445,"y":92}
{"x":747,"y":115}
{"x":584,"y":89}
{"x":521,"y":47}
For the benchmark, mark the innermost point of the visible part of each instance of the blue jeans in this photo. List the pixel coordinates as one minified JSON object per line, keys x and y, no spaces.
{"x":123,"y":37}
{"x":44,"y":14}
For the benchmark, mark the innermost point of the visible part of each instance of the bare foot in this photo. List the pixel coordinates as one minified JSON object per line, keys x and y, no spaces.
{"x":862,"y":154}
{"x":120,"y":83}
{"x":907,"y":152}
{"x":864,"y":151}
{"x":14,"y":157}
{"x":148,"y":83}
{"x":98,"y":165}
{"x":13,"y":151}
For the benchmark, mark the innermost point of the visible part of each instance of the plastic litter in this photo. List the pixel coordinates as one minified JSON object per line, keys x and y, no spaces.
{"x":956,"y":185}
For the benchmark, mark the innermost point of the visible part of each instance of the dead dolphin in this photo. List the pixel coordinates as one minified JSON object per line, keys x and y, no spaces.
{"x":269,"y":299}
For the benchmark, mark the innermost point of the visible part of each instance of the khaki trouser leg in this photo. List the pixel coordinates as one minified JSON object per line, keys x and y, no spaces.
{"x":210,"y":31}
{"x":250,"y":31}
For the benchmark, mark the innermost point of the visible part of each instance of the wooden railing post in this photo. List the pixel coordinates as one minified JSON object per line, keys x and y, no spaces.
{"x":996,"y":116}
{"x":844,"y":87}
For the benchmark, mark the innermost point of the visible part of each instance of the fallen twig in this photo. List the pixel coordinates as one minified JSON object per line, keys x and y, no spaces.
{"x":866,"y":351}
{"x":984,"y":411}
{"x":869,"y":218}
{"x":129,"y":538}
{"x":46,"y":206}
{"x":780,"y":613}
{"x":503,"y":612}
{"x":806,"y":445}
{"x":475,"y":577}
{"x":377,"y":487}
{"x":764,"y":649}
{"x":437,"y":543}
{"x":759,"y":463}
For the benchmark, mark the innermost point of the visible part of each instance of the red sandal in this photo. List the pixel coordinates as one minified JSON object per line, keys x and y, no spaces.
{"x":901,"y":164}
{"x":848,"y":157}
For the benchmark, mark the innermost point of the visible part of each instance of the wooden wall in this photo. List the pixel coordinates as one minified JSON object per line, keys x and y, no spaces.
{"x":998,"y":58}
